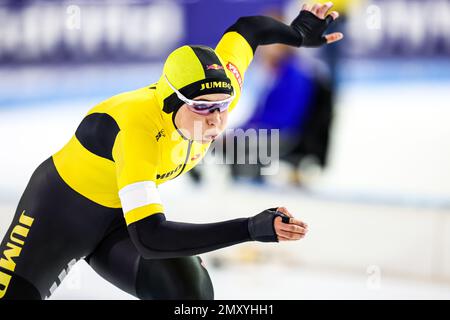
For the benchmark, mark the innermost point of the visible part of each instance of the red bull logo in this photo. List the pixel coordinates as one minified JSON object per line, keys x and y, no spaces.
{"x":214,"y":66}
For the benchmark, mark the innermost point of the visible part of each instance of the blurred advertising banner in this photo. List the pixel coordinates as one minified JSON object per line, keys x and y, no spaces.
{"x":88,"y":30}
{"x":405,"y":28}
{"x":143,"y":30}
{"x":139,"y":30}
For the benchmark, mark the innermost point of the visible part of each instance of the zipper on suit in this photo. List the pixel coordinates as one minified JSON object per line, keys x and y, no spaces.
{"x":185,"y":160}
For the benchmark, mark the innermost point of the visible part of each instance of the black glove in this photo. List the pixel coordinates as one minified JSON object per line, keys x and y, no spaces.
{"x":261,"y":228}
{"x":311,"y":28}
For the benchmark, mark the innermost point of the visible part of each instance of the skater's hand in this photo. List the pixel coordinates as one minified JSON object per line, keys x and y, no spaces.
{"x":294,"y":230}
{"x":313,"y":21}
{"x":276,"y":224}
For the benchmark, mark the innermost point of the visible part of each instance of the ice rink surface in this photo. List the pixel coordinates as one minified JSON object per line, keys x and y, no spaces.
{"x":267,"y":281}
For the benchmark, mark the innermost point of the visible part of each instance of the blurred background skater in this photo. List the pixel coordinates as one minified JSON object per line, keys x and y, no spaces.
{"x":295,"y":92}
{"x":294,"y":98}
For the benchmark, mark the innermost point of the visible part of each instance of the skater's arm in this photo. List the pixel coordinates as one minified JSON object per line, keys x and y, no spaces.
{"x":240,"y":41}
{"x":262,"y":30}
{"x":155,"y":237}
{"x":306,"y":29}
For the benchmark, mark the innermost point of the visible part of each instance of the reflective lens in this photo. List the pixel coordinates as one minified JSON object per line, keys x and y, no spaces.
{"x":205,"y":109}
{"x":202,"y":107}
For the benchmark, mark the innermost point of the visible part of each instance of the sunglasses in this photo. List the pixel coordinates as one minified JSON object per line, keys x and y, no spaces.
{"x":202,"y":107}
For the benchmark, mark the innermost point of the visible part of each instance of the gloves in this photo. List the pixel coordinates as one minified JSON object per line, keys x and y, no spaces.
{"x":261,"y":228}
{"x":311,"y":28}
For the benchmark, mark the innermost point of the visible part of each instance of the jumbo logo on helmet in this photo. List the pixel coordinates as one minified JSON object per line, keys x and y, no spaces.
{"x":215,"y":84}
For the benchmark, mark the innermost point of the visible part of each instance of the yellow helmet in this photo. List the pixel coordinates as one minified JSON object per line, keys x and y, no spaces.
{"x":194,"y":71}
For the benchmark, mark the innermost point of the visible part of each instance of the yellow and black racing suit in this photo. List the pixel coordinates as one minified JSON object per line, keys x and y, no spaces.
{"x":97,"y":198}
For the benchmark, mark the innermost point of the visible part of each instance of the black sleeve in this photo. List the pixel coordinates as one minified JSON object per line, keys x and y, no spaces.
{"x":261,"y":30}
{"x":155,"y":237}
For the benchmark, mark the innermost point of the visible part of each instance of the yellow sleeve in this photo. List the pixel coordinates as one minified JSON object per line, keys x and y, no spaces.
{"x":136,"y":155}
{"x":236,"y":55}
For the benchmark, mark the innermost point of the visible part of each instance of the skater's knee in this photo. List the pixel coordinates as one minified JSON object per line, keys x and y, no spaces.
{"x":198,"y":291}
{"x":164,"y":282}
